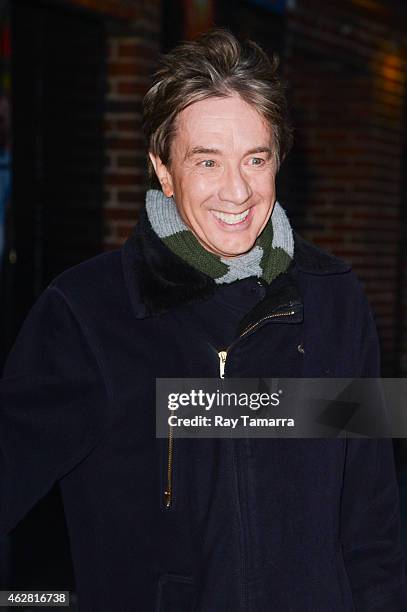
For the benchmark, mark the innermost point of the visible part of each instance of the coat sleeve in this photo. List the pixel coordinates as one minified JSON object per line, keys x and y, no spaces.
{"x":53,"y":405}
{"x":370,"y":512}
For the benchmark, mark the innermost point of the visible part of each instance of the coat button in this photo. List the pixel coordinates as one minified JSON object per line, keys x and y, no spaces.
{"x":300,"y":348}
{"x":258,"y":288}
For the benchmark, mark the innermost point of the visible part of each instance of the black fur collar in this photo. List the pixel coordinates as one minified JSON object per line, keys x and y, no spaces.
{"x":159,"y":280}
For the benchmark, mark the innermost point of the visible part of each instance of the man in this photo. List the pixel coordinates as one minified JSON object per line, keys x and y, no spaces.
{"x":213,"y":283}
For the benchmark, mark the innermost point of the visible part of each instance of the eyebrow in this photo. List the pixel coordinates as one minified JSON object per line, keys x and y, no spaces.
{"x":267,"y":150}
{"x":201,"y":151}
{"x":211,"y":151}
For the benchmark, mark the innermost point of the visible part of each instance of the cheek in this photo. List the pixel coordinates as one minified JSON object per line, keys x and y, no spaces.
{"x":196,"y":191}
{"x":267,"y":191}
{"x":264,"y":181}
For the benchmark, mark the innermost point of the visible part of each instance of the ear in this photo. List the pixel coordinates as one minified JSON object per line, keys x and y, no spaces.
{"x":163,"y":175}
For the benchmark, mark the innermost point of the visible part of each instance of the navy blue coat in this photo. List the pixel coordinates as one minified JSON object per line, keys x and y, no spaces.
{"x":255,"y":525}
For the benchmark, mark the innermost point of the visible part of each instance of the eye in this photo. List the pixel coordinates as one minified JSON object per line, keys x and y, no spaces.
{"x":256,"y":161}
{"x":208,"y":163}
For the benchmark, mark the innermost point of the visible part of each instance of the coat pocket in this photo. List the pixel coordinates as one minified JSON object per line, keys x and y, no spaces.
{"x":344,"y":581}
{"x":175,"y":593}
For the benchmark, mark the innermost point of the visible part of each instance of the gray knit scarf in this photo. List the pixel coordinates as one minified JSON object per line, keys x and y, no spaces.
{"x":270,"y":256}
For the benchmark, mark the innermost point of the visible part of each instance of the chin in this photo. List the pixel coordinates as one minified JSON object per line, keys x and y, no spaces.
{"x":242,"y":247}
{"x":236,"y":251}
{"x":226,"y":248}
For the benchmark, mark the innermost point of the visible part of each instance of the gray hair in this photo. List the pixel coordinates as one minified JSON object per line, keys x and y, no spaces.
{"x":215,"y":65}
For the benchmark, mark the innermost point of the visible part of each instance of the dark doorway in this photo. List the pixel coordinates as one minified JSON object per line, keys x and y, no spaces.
{"x":58,"y":84}
{"x":263,"y":22}
{"x":55,"y":217}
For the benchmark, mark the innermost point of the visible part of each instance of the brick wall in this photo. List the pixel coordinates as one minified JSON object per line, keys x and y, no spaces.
{"x":346,"y":69}
{"x":402,"y":310}
{"x":133,"y":40}
{"x":403,"y":314}
{"x":131,"y":60}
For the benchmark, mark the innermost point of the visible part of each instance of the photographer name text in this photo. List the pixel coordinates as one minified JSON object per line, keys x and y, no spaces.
{"x":243,"y":420}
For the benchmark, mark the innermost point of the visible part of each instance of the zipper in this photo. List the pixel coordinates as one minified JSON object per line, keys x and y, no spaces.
{"x":222,"y":363}
{"x":222,"y":360}
{"x":224,"y":353}
{"x":168,"y":488}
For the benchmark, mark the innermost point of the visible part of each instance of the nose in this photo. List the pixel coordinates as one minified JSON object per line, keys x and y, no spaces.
{"x":235,"y":187}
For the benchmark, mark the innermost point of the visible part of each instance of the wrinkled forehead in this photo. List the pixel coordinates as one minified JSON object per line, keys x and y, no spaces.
{"x":222,"y":122}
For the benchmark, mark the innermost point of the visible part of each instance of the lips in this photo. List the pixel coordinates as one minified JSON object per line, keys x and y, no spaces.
{"x":231,"y":218}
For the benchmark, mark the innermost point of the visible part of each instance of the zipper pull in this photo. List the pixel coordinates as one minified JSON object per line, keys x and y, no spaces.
{"x":168,"y":490}
{"x":222,"y":360}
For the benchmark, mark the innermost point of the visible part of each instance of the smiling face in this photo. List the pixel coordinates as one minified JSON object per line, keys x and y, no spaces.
{"x":222,"y":173}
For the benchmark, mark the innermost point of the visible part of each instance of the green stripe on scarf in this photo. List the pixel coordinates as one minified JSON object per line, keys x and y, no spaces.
{"x":270,"y":256}
{"x":186,"y":246}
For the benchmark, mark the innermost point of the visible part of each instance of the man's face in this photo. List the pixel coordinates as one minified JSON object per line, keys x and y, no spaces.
{"x":222,"y":173}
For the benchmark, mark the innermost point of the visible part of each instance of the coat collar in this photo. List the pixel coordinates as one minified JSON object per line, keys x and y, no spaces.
{"x":158,"y":280}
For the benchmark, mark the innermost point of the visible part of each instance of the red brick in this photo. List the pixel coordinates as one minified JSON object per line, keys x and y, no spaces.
{"x":135,"y":50}
{"x":124,"y":231}
{"x":125,"y":144}
{"x":129,"y":125}
{"x":124,"y":180}
{"x":129,"y":197}
{"x":131,"y":88}
{"x":134,"y":161}
{"x":128,"y":69}
{"x":121,"y":214}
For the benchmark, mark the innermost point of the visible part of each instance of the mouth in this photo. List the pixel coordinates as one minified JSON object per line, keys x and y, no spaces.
{"x":231,"y":218}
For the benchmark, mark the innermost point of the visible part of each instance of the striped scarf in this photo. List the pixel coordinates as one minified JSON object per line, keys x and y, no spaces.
{"x":270,"y":256}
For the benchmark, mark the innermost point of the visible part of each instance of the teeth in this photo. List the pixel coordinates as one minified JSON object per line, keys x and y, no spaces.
{"x":230,"y":218}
